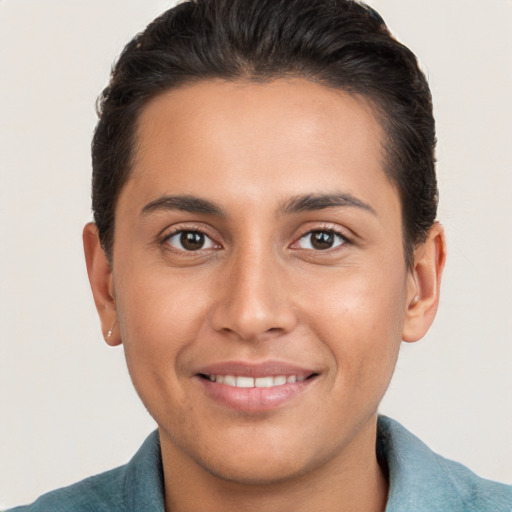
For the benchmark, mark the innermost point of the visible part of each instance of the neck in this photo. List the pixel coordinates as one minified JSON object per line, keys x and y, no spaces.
{"x":351,"y":481}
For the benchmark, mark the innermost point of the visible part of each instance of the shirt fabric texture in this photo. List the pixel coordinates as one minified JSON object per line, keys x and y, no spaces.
{"x":420,"y":481}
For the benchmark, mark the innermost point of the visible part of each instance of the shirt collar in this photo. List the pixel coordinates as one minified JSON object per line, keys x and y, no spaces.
{"x":144,"y":485}
{"x":419,"y":479}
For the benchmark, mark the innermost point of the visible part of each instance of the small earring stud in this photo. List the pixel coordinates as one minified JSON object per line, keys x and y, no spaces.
{"x":110,"y":331}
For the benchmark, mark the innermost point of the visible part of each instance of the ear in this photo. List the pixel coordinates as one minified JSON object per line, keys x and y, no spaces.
{"x":423,"y":285}
{"x":102,"y":284}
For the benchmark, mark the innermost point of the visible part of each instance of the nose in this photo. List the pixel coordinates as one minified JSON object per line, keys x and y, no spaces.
{"x":254,"y":302}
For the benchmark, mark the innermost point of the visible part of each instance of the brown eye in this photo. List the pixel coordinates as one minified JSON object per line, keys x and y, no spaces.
{"x":190,"y":241}
{"x":321,"y":240}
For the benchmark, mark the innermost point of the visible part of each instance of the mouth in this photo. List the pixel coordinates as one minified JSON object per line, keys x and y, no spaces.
{"x":245,"y":381}
{"x":255,"y":388}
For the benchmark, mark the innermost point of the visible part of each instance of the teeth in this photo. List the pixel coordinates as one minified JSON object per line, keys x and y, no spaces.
{"x":264,"y":382}
{"x":241,"y":381}
{"x":229,"y":380}
{"x":244,"y":382}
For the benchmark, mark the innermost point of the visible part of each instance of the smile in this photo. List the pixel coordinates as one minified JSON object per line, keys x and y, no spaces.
{"x":255,"y":388}
{"x":242,"y":381}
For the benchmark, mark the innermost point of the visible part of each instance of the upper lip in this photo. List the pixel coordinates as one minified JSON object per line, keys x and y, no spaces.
{"x":249,"y":369}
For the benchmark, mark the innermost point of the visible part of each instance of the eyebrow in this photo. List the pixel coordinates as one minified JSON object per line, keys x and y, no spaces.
{"x":183,"y":203}
{"x":312,"y":202}
{"x":297,"y":204}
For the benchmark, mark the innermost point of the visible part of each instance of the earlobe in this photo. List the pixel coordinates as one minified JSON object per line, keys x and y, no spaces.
{"x":423,"y":285}
{"x":101,"y":281}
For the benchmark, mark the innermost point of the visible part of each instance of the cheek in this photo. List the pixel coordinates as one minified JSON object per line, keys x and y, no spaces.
{"x":160,"y":318}
{"x":359,"y":318}
{"x":158,"y":305}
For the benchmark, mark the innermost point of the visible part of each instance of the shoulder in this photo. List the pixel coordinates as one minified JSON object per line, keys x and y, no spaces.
{"x":137,"y":486}
{"x":100,"y":493}
{"x":422,"y":480}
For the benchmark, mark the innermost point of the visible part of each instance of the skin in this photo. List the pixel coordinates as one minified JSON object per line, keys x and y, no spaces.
{"x":259,"y":290}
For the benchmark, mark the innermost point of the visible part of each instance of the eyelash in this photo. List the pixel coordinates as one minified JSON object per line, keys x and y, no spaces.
{"x":343,"y":240}
{"x":191,"y":230}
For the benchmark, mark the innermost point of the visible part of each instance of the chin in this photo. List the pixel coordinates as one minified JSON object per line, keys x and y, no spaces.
{"x":257,"y":472}
{"x":261,"y":460}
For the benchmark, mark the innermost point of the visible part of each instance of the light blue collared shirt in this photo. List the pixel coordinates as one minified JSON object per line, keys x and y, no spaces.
{"x":420,"y":481}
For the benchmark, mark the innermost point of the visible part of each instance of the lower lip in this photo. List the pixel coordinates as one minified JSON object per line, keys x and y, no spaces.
{"x":254,"y":399}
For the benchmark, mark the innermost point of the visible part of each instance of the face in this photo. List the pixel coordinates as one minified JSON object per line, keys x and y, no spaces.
{"x":259,"y":282}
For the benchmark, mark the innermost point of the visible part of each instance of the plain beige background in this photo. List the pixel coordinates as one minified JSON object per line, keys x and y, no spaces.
{"x":68,"y":409}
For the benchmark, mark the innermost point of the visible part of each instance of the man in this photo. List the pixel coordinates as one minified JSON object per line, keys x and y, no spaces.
{"x":264,"y":239}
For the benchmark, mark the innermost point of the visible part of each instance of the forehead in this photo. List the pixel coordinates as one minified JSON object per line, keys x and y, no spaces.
{"x":280,"y":137}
